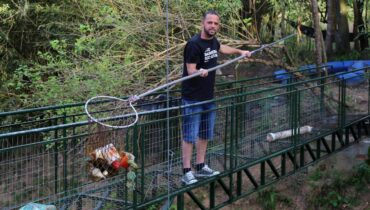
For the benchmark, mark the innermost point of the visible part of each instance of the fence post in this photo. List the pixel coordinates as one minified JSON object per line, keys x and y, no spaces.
{"x":56,"y":162}
{"x":232,"y":147}
{"x":342,"y":110}
{"x":136,"y":152}
{"x":65,"y":157}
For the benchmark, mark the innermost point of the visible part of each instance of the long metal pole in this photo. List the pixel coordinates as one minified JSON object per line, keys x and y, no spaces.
{"x":211,"y":69}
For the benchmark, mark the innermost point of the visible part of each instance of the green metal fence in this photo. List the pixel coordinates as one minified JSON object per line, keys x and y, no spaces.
{"x":49,"y":162}
{"x":26,"y":119}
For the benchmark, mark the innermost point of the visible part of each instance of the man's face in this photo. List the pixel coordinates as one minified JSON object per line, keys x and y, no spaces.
{"x":211,"y":25}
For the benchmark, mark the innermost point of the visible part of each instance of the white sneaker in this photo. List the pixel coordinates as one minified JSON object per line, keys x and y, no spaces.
{"x":188,"y":178}
{"x":206,"y":172}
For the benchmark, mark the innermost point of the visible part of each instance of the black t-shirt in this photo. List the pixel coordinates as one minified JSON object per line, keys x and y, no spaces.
{"x":204,"y":54}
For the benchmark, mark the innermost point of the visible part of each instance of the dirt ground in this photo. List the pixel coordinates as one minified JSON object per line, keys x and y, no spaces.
{"x":249,"y":70}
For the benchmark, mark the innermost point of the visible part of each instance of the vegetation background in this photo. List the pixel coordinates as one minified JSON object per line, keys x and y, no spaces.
{"x":58,"y":52}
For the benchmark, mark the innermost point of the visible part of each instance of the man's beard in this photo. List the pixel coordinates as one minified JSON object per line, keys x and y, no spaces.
{"x":209,"y":34}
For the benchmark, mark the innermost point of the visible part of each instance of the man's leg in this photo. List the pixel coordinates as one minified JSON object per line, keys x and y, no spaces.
{"x":205,"y":134}
{"x":207,"y":124}
{"x":187,"y":151}
{"x":190,"y":128}
{"x":202,"y":169}
{"x":188,"y":177}
{"x":201,"y":147}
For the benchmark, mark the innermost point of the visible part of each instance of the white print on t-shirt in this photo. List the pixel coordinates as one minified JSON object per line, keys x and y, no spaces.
{"x":208,"y":54}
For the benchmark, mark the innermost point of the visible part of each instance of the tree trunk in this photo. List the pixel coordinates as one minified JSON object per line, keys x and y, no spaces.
{"x":342,"y":35}
{"x":330,"y":27}
{"x":356,"y":22}
{"x":255,"y":10}
{"x":271,"y":27}
{"x":359,"y":25}
{"x":282,"y":23}
{"x":364,"y":41}
{"x":318,"y":33}
{"x":249,"y":12}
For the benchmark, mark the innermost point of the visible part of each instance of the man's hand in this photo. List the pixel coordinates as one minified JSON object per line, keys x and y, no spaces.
{"x":133,"y":98}
{"x":246,"y":53}
{"x":203,"y":72}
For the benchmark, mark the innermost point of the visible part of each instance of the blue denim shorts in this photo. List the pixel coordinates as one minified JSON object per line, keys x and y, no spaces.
{"x":198,"y":121}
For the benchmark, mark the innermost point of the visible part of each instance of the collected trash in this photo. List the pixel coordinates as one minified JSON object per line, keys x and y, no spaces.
{"x":37,"y":206}
{"x":106,"y":162}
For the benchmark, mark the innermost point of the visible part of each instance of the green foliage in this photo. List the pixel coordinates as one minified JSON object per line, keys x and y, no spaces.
{"x":56,"y":52}
{"x":361,"y":178}
{"x":354,"y":55}
{"x":153,"y":207}
{"x":327,"y":198}
{"x":269,"y":198}
{"x":172,"y":207}
{"x":336,"y":200}
{"x":316,"y":175}
{"x":333,"y":190}
{"x":62,"y":52}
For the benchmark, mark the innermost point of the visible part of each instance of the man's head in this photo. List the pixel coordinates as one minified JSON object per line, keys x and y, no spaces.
{"x":210,"y":24}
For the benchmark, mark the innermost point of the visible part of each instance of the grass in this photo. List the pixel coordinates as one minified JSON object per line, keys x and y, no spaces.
{"x":269,"y":199}
{"x":335,"y":190}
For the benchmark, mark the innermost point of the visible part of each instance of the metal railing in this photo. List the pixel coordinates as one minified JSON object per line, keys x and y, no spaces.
{"x":40,"y":117}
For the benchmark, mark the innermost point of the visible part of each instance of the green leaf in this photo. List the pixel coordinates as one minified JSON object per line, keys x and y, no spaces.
{"x":131,"y":175}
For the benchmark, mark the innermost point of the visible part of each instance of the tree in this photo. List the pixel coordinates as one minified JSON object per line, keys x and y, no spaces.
{"x":256,"y":10}
{"x":318,"y":34}
{"x":342,"y":33}
{"x":359,"y":25}
{"x":330,"y":26}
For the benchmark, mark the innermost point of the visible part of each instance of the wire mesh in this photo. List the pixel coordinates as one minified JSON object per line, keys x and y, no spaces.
{"x":357,"y":97}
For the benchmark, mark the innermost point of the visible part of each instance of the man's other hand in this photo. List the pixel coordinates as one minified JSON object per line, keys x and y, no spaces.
{"x":203,"y":72}
{"x":246,"y":53}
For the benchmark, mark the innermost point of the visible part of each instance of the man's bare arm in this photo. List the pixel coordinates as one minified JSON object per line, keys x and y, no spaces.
{"x":192,"y":69}
{"x":224,"y":49}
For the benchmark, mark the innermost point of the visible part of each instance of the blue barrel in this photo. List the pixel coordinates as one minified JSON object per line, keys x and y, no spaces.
{"x":358,"y":65}
{"x":282,"y":75}
{"x":337,"y":66}
{"x":351,"y":79}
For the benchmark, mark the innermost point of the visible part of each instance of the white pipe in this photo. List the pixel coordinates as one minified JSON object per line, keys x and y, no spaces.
{"x":287,"y":133}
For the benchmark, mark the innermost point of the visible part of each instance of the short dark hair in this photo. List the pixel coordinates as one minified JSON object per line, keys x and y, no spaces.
{"x":210,"y":12}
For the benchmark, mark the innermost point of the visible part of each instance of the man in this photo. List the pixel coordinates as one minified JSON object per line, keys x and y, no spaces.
{"x":201,"y":53}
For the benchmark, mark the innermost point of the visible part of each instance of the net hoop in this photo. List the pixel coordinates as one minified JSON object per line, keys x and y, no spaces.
{"x":100,"y":121}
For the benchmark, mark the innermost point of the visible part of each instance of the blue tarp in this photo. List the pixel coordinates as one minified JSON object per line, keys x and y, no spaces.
{"x":352,"y":78}
{"x":334,"y":67}
{"x":282,"y":75}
